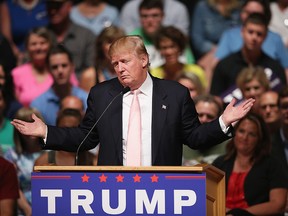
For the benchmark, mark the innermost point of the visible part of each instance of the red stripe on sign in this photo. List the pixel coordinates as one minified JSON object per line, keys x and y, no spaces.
{"x":51,"y":177}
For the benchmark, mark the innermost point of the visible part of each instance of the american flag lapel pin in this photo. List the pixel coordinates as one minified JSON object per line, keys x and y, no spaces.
{"x":164,"y":106}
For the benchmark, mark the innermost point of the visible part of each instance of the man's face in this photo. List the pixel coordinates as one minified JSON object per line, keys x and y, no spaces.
{"x":151,"y":20}
{"x":207,"y":111}
{"x":253,"y":36}
{"x":130,"y":68}
{"x":58,"y":12}
{"x":61,"y":68}
{"x":284,"y":110}
{"x":269,"y":109}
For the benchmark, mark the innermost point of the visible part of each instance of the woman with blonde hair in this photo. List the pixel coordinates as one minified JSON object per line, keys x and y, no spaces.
{"x":192,"y":82}
{"x":253,"y":82}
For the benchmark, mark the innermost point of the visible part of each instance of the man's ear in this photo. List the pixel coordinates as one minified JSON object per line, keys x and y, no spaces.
{"x":145,"y":61}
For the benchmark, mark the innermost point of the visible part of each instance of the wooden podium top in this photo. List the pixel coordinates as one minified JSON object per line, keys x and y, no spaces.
{"x":196,"y":168}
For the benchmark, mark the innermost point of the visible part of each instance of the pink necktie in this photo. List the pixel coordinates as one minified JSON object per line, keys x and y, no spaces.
{"x":133,"y":157}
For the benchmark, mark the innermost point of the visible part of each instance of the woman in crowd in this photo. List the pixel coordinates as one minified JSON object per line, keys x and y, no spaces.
{"x":17,"y":18}
{"x":103,"y":69}
{"x":192,"y":82}
{"x":171,"y":43}
{"x":253,"y":82}
{"x":33,"y":78}
{"x":256,"y":181}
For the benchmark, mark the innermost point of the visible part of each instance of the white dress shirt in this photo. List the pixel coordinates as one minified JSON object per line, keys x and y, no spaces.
{"x":145,"y":100}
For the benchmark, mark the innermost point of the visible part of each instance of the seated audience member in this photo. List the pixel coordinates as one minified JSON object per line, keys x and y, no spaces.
{"x":171,"y":43}
{"x":231,"y":40}
{"x":18,"y":19}
{"x":270,"y":111}
{"x":247,"y":161}
{"x":208,"y":108}
{"x":27,"y":149}
{"x":175,"y":14}
{"x":103,"y":70}
{"x":61,"y":67}
{"x":95,"y":15}
{"x":66,"y":118}
{"x":192,"y":82}
{"x":254,"y":31}
{"x":9,"y":188}
{"x":279,"y":19}
{"x":7,"y":57}
{"x":209,"y":20}
{"x":79,"y":41}
{"x":151,"y":16}
{"x":280,"y":138}
{"x":253,"y":82}
{"x":7,"y":86}
{"x":33,"y":78}
{"x":6,"y":129}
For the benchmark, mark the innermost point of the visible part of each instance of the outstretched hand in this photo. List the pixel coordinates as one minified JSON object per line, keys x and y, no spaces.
{"x":232,"y":114}
{"x":36,"y":128}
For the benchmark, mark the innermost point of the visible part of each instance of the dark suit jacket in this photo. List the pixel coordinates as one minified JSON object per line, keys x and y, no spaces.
{"x":174,"y":124}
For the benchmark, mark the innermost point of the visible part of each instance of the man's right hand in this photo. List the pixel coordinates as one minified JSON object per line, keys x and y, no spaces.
{"x":37,"y":128}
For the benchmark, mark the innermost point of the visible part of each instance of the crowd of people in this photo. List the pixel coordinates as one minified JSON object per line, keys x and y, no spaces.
{"x":221,"y":51}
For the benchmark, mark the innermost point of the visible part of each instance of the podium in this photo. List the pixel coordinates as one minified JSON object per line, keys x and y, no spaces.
{"x":118,"y":190}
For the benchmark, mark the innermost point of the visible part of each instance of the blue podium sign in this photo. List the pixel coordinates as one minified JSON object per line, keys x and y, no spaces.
{"x":118,"y":193}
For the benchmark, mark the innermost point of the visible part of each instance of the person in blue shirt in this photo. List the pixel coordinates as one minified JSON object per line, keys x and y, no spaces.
{"x":231,"y":40}
{"x":61,"y":67}
{"x":17,"y":18}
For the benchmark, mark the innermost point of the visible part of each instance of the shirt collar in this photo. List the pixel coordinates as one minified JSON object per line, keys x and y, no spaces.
{"x":146,"y":87}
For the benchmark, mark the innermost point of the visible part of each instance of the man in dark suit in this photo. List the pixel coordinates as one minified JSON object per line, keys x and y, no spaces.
{"x":168,"y":114}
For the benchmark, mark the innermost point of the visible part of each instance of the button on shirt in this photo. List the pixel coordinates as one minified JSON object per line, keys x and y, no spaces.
{"x":145,"y":100}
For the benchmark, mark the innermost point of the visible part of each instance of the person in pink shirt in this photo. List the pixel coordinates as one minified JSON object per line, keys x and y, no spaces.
{"x":33,"y":78}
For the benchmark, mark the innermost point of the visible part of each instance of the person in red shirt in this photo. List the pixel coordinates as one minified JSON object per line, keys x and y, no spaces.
{"x":9,"y":188}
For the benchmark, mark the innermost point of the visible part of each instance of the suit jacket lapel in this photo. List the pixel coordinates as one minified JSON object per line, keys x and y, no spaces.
{"x":159,"y":112}
{"x":116,"y":119}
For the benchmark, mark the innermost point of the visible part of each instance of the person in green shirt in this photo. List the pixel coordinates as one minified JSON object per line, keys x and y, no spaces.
{"x":6,"y":129}
{"x":151,"y":13}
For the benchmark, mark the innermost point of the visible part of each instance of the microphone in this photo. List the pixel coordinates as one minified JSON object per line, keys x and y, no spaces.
{"x":124,"y":91}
